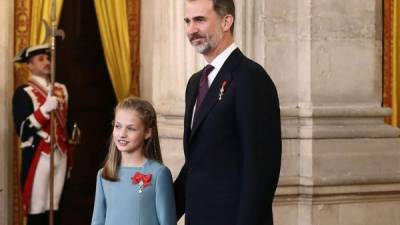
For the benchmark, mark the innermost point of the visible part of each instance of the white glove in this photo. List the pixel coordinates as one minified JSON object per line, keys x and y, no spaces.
{"x":49,"y":105}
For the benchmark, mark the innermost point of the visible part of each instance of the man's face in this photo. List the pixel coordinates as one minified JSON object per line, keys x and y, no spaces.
{"x":203,"y":25}
{"x":40,"y":65}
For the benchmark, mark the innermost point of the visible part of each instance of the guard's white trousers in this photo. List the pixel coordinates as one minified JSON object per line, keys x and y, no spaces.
{"x":40,"y":189}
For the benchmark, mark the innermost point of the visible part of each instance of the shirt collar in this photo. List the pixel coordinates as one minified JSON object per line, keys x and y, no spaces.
{"x":41,"y":81}
{"x":221,"y":58}
{"x":219,"y":61}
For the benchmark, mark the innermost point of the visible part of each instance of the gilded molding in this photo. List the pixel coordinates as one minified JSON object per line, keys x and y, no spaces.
{"x":387,"y":52}
{"x":133,"y":12}
{"x":22,"y":20}
{"x":22,"y":36}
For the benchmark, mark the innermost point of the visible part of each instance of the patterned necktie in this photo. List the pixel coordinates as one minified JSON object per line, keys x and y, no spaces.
{"x":203,"y":85}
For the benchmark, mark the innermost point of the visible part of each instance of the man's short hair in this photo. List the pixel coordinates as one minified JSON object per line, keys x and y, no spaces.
{"x":223,"y":8}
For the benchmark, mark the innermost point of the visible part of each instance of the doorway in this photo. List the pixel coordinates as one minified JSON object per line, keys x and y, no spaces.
{"x":81,"y":67}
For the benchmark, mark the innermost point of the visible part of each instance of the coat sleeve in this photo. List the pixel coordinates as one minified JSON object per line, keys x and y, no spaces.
{"x":180,"y":192}
{"x":180,"y":182}
{"x":27,"y":121}
{"x":165,"y":201}
{"x":258,"y":119}
{"x":100,"y":205}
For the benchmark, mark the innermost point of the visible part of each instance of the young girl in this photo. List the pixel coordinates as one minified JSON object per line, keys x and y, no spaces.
{"x":134,"y":187}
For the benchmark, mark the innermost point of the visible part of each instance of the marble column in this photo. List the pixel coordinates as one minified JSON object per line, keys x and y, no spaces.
{"x":6,"y":127}
{"x":341,"y":162}
{"x":167,"y":62}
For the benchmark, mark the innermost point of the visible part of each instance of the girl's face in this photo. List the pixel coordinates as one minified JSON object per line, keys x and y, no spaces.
{"x":129,"y":132}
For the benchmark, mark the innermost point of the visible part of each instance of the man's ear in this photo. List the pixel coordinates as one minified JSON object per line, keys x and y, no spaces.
{"x":147,"y":135}
{"x":29,"y":64}
{"x":227,"y":22}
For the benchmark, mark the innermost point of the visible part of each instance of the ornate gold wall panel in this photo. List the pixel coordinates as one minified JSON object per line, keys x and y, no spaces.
{"x":22,"y":36}
{"x":22,"y":23}
{"x":391,"y":59}
{"x":133,"y":11}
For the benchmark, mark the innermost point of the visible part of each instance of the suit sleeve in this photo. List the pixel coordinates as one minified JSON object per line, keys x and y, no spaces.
{"x":258,"y":119}
{"x":180,"y":182}
{"x":100,"y":206}
{"x":179,"y":188}
{"x":165,"y":202}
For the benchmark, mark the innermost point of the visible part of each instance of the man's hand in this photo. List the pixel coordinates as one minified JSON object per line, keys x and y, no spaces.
{"x":49,"y":105}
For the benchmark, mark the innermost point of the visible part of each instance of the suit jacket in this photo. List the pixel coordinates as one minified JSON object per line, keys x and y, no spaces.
{"x":233,"y":150}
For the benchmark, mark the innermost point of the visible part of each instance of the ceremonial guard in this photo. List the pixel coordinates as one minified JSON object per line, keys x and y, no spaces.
{"x":32,"y":105}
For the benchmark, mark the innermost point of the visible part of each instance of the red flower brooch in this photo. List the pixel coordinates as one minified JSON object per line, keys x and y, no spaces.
{"x":141,"y":180}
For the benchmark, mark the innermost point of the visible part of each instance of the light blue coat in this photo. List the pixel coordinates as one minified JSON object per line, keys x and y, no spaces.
{"x":121,"y":203}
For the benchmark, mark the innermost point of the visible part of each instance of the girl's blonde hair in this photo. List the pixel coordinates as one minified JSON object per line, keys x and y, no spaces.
{"x":151,"y":149}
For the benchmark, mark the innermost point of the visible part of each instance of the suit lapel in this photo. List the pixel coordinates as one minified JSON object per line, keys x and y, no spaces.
{"x":190,"y":102}
{"x":211,"y":98}
{"x":191,"y":97}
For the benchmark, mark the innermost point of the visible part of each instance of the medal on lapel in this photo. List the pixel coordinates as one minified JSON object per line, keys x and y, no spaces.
{"x":222,"y":90}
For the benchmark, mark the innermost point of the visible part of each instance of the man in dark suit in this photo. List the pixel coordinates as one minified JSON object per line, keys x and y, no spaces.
{"x":232,"y":135}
